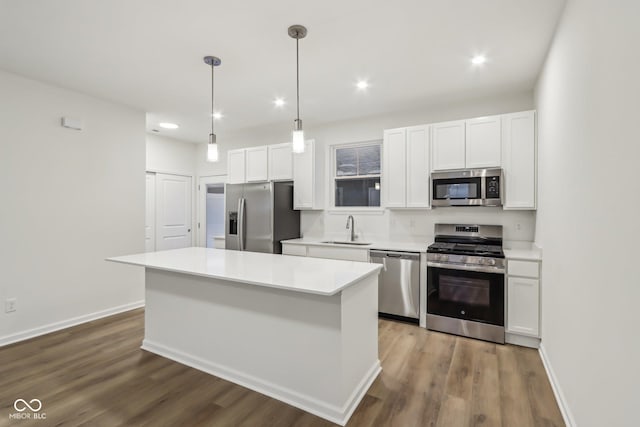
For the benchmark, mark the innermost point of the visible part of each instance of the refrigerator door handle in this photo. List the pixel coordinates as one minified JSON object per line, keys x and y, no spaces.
{"x":241,"y":223}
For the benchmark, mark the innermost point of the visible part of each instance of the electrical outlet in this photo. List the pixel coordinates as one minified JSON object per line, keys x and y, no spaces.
{"x":10,"y":305}
{"x":518,"y":226}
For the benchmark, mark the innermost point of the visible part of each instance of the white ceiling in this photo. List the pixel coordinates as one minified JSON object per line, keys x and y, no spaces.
{"x":148,"y":54}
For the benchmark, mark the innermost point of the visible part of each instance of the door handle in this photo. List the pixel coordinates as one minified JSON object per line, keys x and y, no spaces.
{"x":241,"y":204}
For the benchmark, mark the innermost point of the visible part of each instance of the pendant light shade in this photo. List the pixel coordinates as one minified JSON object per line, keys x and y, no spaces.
{"x":212,"y":146}
{"x":212,"y":149}
{"x":297,"y":137}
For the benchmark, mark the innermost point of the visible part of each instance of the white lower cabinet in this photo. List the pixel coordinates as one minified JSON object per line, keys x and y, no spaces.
{"x":523,"y":298}
{"x":297,"y":250}
{"x":327,"y":252}
{"x":336,"y":252}
{"x":523,"y":306}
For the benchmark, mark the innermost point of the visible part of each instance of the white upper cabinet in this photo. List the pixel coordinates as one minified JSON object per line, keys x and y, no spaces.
{"x":418,"y":169}
{"x":236,"y":166}
{"x":448,"y":145}
{"x":394,"y":166}
{"x":256,"y":159}
{"x":519,"y":160}
{"x":259,"y":164}
{"x":406,"y":167}
{"x":483,"y":148}
{"x":473,"y":143}
{"x":308,"y":177}
{"x":280,"y":162}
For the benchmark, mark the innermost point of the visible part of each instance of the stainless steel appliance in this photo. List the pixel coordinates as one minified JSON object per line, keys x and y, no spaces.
{"x":259,"y":216}
{"x":468,"y":187}
{"x":466,"y":281}
{"x":398,"y":283}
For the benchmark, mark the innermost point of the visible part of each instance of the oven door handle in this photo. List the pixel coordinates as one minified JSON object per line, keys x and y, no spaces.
{"x":481,"y":269}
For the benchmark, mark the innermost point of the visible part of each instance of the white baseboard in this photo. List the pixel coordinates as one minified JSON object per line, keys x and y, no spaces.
{"x":522,"y":340}
{"x":52,"y":327}
{"x":557,"y":391}
{"x":309,"y":404}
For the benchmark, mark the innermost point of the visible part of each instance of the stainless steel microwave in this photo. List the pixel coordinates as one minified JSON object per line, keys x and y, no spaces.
{"x":467,"y":187}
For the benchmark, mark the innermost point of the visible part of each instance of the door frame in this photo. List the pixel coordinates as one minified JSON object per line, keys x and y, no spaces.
{"x":201,"y":220}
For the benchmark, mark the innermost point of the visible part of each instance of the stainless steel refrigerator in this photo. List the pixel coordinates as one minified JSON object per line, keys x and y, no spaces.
{"x":259,"y":216}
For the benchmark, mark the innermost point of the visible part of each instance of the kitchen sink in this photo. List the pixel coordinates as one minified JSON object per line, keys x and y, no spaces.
{"x":346,"y":242}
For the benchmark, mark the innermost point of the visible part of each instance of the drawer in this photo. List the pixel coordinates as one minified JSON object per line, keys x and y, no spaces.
{"x":523,"y":268}
{"x":331,"y":252}
{"x":298,"y":250}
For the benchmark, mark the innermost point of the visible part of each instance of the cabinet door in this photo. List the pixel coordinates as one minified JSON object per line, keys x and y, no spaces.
{"x":447,"y":145}
{"x":303,"y":173}
{"x":523,"y":306}
{"x":483,"y":147}
{"x":256,"y":159}
{"x":236,"y":166}
{"x":280,"y":162}
{"x":519,"y":160}
{"x":418,"y":167}
{"x":395,"y":167}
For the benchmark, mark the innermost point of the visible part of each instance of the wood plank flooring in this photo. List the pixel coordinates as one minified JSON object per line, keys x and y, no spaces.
{"x":95,"y":374}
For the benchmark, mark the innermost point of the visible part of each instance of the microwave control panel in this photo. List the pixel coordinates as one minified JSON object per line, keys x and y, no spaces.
{"x":493,"y":187}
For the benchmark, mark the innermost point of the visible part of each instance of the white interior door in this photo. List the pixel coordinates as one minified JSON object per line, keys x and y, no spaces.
{"x":173,"y":211}
{"x":150,"y":214}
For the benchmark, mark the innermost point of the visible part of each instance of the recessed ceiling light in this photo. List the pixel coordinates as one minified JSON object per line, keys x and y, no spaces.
{"x":478,"y":60}
{"x":362,"y":84}
{"x":278,"y":102}
{"x":217,"y":115}
{"x":168,"y":125}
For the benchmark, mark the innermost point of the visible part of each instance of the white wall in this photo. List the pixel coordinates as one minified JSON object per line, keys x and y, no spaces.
{"x":412,"y":225}
{"x":70,"y":199}
{"x":587,"y":221}
{"x":170,"y":155}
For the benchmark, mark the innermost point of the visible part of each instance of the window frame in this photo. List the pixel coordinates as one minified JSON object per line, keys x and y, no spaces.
{"x":334,"y":177}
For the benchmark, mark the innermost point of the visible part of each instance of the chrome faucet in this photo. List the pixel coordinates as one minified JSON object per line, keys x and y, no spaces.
{"x":352,"y":237}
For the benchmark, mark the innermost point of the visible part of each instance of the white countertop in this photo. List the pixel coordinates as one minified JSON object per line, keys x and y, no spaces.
{"x":529,"y":254}
{"x":374,"y":244}
{"x":309,"y":275}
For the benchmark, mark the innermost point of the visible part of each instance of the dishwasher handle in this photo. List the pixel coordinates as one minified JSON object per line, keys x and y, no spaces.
{"x":395,"y":254}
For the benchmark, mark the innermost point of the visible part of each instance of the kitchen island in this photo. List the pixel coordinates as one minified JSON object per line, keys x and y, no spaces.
{"x":301,"y":330}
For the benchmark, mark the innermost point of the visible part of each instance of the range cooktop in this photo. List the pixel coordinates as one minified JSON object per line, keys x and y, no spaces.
{"x":466,"y":249}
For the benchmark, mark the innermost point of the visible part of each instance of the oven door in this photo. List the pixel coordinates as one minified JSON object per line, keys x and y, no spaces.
{"x":469,"y":295}
{"x":461,"y":191}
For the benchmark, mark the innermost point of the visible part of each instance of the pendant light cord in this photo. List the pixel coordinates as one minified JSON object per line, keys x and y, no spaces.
{"x":212,"y":98}
{"x":297,"y":80}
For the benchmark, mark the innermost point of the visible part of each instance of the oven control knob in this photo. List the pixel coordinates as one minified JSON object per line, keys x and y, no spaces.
{"x":491,"y":261}
{"x":443,"y":258}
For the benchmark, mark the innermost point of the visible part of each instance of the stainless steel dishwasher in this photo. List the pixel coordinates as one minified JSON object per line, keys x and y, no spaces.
{"x":398,"y":283}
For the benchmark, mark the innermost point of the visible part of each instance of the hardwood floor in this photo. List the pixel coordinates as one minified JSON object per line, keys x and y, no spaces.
{"x":95,"y":374}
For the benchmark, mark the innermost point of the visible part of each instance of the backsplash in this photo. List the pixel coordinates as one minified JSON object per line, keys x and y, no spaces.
{"x":415,"y":225}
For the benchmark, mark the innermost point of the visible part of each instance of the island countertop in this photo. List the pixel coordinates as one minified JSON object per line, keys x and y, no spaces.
{"x":309,"y":275}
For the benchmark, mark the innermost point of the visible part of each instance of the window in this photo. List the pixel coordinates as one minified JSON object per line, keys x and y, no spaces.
{"x":357,"y":175}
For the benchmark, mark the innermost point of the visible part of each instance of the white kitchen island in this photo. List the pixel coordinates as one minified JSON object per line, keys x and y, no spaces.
{"x":301,"y":330}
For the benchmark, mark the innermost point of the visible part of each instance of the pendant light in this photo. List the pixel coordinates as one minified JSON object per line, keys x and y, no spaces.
{"x":297,"y":137}
{"x":212,"y":146}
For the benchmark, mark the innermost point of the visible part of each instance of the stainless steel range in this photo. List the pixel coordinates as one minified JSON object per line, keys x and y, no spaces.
{"x":465,"y":281}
